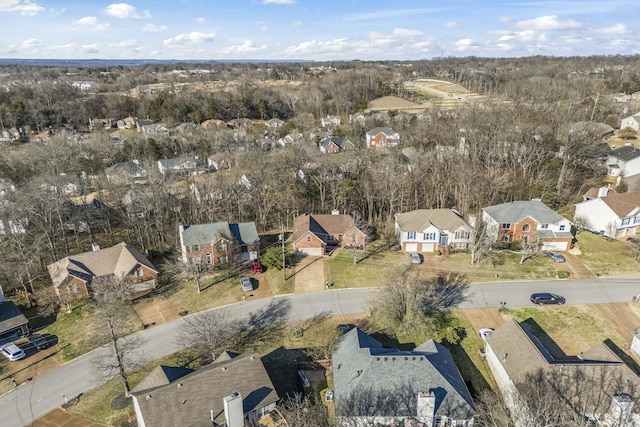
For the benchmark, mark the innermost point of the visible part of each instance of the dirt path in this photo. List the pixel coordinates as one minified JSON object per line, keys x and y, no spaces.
{"x":621,"y":316}
{"x":310,"y":275}
{"x":577,"y":269}
{"x":484,"y":317}
{"x":155,"y":311}
{"x":60,"y":418}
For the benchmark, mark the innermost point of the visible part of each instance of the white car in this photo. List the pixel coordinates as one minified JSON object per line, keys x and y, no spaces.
{"x":485,"y":332}
{"x":247,"y":284}
{"x":12,"y":352}
{"x":415,"y":258}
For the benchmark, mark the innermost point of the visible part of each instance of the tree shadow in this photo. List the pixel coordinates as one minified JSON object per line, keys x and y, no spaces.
{"x":281,"y":365}
{"x":473,"y":378}
{"x":374,"y":252}
{"x":263,"y":324}
{"x":628,"y":360}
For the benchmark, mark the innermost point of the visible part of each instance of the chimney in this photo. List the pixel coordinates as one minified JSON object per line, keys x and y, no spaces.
{"x":335,"y":212}
{"x":603,"y":192}
{"x":426,"y":408}
{"x":95,"y":247}
{"x":233,"y":412}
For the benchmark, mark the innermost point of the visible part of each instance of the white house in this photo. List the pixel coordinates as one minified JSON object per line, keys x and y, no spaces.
{"x":624,"y":161}
{"x":426,"y":230}
{"x":632,"y":122}
{"x":614,"y":215}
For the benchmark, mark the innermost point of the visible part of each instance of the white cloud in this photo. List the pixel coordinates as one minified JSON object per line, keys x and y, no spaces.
{"x":614,"y":29}
{"x":402,"y":32}
{"x":128,"y":45}
{"x":200,"y":19}
{"x":392,"y":12}
{"x":451,"y":24}
{"x":124,"y":10}
{"x":90,"y":48}
{"x":32,"y":43}
{"x":314,"y":47}
{"x":153,"y":28}
{"x":504,"y":19}
{"x":278,"y":1}
{"x":464,"y":45}
{"x":87,"y":20}
{"x":189,"y":39}
{"x":245,"y":47}
{"x":23,"y":7}
{"x":549,"y":22}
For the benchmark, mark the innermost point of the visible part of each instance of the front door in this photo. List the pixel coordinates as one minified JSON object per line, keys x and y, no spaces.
{"x":444,"y":240}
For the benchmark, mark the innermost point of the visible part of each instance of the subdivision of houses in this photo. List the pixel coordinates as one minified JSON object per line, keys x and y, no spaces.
{"x":382,"y":137}
{"x":318,"y":235}
{"x":373,"y":385}
{"x":77,"y":276}
{"x":514,"y":353}
{"x":428,"y":230}
{"x":231,"y":391}
{"x":624,"y":162}
{"x":528,"y":221}
{"x":219,"y":242}
{"x":613,"y":215}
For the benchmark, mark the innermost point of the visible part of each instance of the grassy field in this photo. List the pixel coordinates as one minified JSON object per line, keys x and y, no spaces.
{"x":370,"y":269}
{"x":606,"y":257}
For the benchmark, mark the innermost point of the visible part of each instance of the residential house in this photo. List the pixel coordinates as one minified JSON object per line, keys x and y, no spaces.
{"x":317,"y":235}
{"x":232,"y":390}
{"x":241,"y":122}
{"x":219,"y":242}
{"x":330,"y":121}
{"x":514,"y":353}
{"x":126,"y":123}
{"x":357,"y":118}
{"x":182,"y":165}
{"x":187,"y":127}
{"x":289,"y":139}
{"x":621,"y":97}
{"x":613,"y":215}
{"x":382,"y":137}
{"x":528,"y":221}
{"x":274,"y":123}
{"x":373,"y":385}
{"x":13,"y":324}
{"x":141,"y":124}
{"x":97,"y":124}
{"x":143,"y":202}
{"x":126,"y":173}
{"x":155,"y":130}
{"x":213,"y":124}
{"x":335,"y":144}
{"x":219,"y":161}
{"x":5,"y":136}
{"x":77,"y":276}
{"x":624,"y":161}
{"x":632,"y":122}
{"x":595,"y":192}
{"x":428,"y":230}
{"x":600,"y":130}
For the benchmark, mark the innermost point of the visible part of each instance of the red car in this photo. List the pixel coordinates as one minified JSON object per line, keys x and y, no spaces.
{"x":257,"y":268}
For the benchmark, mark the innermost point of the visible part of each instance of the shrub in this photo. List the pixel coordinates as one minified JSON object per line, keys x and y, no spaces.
{"x":563,"y":274}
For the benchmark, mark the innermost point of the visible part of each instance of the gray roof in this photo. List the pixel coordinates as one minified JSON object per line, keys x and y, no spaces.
{"x":421,"y":219}
{"x":10,"y":317}
{"x":337,"y":140}
{"x":389,"y":380}
{"x":188,"y":400}
{"x":386,"y":130}
{"x":245,"y":233}
{"x":206,"y":233}
{"x":128,"y":167}
{"x":179,"y":162}
{"x":626,"y":153}
{"x":514,"y":212}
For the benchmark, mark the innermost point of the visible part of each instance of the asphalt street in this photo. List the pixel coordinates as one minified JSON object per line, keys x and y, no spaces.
{"x":35,"y":398}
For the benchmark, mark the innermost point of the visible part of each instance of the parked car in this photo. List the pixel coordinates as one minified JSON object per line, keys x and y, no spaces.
{"x":12,"y":352}
{"x":633,"y":240}
{"x":257,"y":267}
{"x":247,"y":284}
{"x":546,"y":298}
{"x":556,"y":257}
{"x":38,"y":341}
{"x":415,"y":258}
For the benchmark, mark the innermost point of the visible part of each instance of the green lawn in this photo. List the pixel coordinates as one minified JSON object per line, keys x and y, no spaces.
{"x":606,"y":257}
{"x":370,"y":269}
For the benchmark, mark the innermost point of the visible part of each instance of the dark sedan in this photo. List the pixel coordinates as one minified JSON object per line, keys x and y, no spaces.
{"x":546,"y":298}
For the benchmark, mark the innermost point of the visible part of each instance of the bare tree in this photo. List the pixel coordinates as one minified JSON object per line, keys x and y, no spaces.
{"x":530,"y":249}
{"x":480,"y":243}
{"x":208,"y":333}
{"x":303,"y":411}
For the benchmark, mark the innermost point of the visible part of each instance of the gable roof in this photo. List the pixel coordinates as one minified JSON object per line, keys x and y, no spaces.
{"x":10,"y":316}
{"x":125,"y":167}
{"x":179,"y":162}
{"x":189,"y":399}
{"x":516,"y":211}
{"x":421,"y":219}
{"x":199,"y":234}
{"x":623,"y":204}
{"x":386,"y":130}
{"x":625,"y":153}
{"x":322,"y":225}
{"x":339,"y":141}
{"x":118,"y":260}
{"x":362,"y":367}
{"x":245,"y":233}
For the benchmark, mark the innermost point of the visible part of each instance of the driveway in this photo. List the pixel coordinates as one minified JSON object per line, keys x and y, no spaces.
{"x":577,"y":269}
{"x":309,"y":276}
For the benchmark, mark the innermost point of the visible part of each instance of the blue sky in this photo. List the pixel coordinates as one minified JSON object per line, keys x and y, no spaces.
{"x":316,"y":30}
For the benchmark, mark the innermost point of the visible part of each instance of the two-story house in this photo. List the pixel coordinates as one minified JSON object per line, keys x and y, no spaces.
{"x":632,"y":122}
{"x":612,"y":214}
{"x":528,"y":221}
{"x":624,"y":162}
{"x":427,"y":230}
{"x":335,"y":144}
{"x":382,"y":137}
{"x":219,"y":242}
{"x":183,"y":165}
{"x":74,"y":277}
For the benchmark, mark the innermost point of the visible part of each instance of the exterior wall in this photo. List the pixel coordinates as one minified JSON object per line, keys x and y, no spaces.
{"x":525,"y":230}
{"x":556,"y":244}
{"x":627,"y":168}
{"x":309,"y":244}
{"x":353,"y":237}
{"x":630,"y":122}
{"x":217,"y":252}
{"x":418,"y":242}
{"x":598,"y":216}
{"x":635,"y":347}
{"x":492,"y":226}
{"x":142,"y":274}
{"x":72,"y":290}
{"x":139,"y":418}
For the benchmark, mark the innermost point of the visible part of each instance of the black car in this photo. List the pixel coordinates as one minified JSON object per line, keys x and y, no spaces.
{"x":546,"y":298}
{"x":38,"y":341}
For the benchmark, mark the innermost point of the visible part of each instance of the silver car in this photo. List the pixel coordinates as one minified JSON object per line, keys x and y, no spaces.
{"x":415,"y":258}
{"x":12,"y":352}
{"x":247,"y":284}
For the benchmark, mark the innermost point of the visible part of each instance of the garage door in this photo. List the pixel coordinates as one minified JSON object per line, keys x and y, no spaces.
{"x":554,"y":246}
{"x":428,"y":247}
{"x":311,"y":251}
{"x":411,"y":247}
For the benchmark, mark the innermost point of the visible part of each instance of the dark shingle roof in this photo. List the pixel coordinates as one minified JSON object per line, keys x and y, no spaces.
{"x":199,"y":234}
{"x":245,"y":233}
{"x":10,"y":316}
{"x":514,"y":212}
{"x":390,"y":379}
{"x":626,"y":153}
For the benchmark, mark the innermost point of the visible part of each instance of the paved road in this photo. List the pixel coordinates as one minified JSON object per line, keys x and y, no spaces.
{"x":34,"y":399}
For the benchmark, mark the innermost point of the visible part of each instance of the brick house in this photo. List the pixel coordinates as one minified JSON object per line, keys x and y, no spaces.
{"x":335,"y":144}
{"x":528,"y":221}
{"x":313,"y":234}
{"x":219,"y":242}
{"x":72,"y":276}
{"x":382,"y":137}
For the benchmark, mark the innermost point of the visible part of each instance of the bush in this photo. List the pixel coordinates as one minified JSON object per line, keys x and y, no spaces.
{"x":563,"y":274}
{"x":437,"y":252}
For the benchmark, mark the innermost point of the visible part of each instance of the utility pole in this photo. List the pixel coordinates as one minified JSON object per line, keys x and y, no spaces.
{"x":284,"y":272}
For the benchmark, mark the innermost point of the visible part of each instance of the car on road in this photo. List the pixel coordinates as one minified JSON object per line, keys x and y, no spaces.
{"x":257,"y":267}
{"x":38,"y":341}
{"x":634,"y":240}
{"x":546,"y":298}
{"x":12,"y":352}
{"x":247,"y":284}
{"x":415,"y":258}
{"x":556,"y":257}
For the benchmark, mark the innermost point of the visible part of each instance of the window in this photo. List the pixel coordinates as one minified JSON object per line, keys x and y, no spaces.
{"x":139,"y":272}
{"x":562,"y":228}
{"x":430,"y":236}
{"x":353,"y":238}
{"x":525,"y":239}
{"x":223,"y":247}
{"x":411,"y":235}
{"x":196,"y":247}
{"x":626,"y":221}
{"x":506,"y":226}
{"x":544,"y":226}
{"x":189,"y":249}
{"x":308,"y":239}
{"x":526,"y":227}
{"x":505,"y":238}
{"x":462,"y":235}
{"x":208,"y":257}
